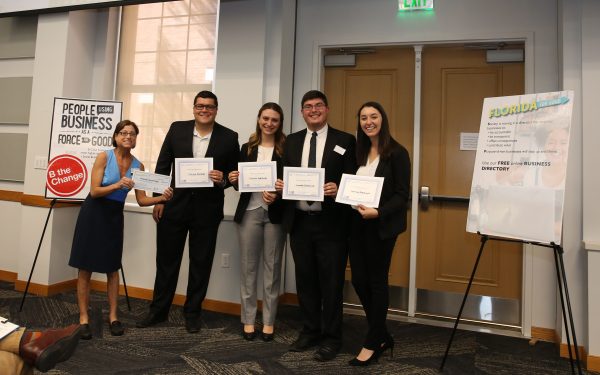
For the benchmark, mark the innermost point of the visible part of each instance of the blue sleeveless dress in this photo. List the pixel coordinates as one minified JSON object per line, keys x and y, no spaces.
{"x":98,"y":239}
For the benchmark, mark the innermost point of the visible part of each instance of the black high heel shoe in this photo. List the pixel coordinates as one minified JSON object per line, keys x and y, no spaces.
{"x":372,"y":359}
{"x":387,"y":344}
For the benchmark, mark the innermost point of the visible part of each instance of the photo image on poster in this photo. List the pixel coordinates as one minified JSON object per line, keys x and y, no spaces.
{"x":520,"y":167}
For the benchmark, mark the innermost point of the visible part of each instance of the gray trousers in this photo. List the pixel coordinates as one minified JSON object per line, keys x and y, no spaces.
{"x":259,"y":238}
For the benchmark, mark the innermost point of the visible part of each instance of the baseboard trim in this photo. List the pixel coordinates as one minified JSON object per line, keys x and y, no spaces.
{"x":593,"y":363}
{"x":583,"y":357}
{"x":544,"y":334}
{"x":8,"y":276}
{"x":224,"y":307}
{"x":46,"y":290}
{"x":289,"y":299}
{"x":549,"y":334}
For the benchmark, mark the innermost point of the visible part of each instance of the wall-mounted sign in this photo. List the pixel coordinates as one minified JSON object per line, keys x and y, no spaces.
{"x":408,"y":5}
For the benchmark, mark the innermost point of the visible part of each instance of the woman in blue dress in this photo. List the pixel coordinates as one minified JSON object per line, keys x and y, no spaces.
{"x":98,"y":239}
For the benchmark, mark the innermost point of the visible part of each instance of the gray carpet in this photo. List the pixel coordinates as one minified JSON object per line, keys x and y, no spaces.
{"x":220,"y":349}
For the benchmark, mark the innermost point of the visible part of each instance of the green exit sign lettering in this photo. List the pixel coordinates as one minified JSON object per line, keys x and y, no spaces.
{"x":407,"y":5}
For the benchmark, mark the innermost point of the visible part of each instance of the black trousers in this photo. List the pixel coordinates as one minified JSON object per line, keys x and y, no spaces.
{"x":320,"y":262}
{"x":370,"y":258}
{"x":170,"y":242}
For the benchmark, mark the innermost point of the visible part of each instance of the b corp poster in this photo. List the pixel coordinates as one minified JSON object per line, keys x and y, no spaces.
{"x":80,"y":130}
{"x":520,"y":167}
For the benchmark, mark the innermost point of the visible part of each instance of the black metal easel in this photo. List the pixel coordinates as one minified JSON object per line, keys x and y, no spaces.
{"x":52,"y":203}
{"x":562,"y":287}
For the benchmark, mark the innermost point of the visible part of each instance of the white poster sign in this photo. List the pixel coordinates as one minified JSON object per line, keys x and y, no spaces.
{"x":80,"y":130}
{"x":520,"y":167}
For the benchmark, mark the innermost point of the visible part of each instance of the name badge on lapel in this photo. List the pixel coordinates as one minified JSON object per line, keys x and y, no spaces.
{"x":339,"y":150}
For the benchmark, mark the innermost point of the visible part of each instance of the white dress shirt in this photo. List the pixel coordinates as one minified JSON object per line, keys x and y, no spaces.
{"x":321,"y":138}
{"x":200,"y":144}
{"x":265,"y":154}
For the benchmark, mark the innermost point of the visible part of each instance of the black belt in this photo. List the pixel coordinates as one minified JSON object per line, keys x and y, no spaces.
{"x":308,"y":213}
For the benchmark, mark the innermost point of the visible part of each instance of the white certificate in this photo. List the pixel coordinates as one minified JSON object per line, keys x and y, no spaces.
{"x":152,"y":182}
{"x":193,"y":172}
{"x":303,"y":184}
{"x":355,"y":190}
{"x":257,"y":176}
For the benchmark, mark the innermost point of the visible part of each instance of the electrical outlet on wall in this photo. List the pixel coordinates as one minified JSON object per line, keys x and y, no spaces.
{"x":40,"y":162}
{"x":225,"y":260}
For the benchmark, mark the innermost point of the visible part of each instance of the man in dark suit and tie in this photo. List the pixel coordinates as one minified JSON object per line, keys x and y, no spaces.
{"x":197,"y":211}
{"x":319,"y":230}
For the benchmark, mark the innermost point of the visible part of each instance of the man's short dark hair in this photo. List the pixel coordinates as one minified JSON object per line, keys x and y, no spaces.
{"x":314,"y":94}
{"x":205,"y":94}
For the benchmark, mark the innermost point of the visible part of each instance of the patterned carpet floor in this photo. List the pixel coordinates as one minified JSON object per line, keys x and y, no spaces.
{"x":219,"y":348}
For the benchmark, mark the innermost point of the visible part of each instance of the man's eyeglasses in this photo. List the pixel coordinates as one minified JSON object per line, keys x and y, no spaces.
{"x":208,"y":107}
{"x":125,"y":134}
{"x":310,"y":107}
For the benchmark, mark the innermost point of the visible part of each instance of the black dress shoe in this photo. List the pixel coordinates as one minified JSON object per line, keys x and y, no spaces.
{"x":116,"y":328}
{"x":192,"y":325}
{"x":149,"y":320}
{"x":303,"y":343}
{"x":85,"y":333}
{"x":248,"y":335}
{"x":325,"y":353}
{"x":266,"y":337}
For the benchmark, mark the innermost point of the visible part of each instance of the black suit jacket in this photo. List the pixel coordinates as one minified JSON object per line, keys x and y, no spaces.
{"x":275,"y":208}
{"x":336,"y":215}
{"x":394,"y":194}
{"x":223,"y":148}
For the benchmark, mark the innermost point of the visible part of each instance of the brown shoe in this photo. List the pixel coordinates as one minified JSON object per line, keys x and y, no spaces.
{"x":52,"y":347}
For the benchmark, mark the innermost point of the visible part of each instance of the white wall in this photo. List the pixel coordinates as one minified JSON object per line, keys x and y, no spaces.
{"x":590,"y":81}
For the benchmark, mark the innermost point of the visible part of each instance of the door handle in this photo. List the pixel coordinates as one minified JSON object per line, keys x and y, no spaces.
{"x":425,"y":197}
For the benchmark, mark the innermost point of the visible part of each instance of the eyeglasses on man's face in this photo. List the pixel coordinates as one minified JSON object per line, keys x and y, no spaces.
{"x":310,"y":107}
{"x":208,"y":107}
{"x":125,"y":134}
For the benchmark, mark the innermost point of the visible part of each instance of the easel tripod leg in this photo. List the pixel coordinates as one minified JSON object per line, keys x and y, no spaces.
{"x":558,"y":251}
{"x":483,"y":241}
{"x":125,"y":287}
{"x":36,"y":254}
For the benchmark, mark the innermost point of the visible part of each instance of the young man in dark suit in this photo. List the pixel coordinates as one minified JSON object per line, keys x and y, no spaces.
{"x":197,"y":211}
{"x":319,"y":230}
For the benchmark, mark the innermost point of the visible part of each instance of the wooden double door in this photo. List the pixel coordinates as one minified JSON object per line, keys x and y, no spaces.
{"x":454,"y":82}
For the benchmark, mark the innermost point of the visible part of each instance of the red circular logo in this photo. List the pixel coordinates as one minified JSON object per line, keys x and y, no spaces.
{"x":66,"y":175}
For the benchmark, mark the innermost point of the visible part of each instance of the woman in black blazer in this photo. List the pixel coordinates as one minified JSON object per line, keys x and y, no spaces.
{"x":374,"y":230}
{"x":259,"y":225}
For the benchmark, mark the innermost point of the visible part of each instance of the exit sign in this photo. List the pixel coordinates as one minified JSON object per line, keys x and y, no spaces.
{"x":405,"y":5}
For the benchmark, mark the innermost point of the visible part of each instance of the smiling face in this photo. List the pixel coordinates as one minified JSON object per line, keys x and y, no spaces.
{"x":557,"y":145}
{"x":314,"y":112}
{"x":370,"y":122}
{"x":126,"y":137}
{"x":205,"y":111}
{"x":269,"y":121}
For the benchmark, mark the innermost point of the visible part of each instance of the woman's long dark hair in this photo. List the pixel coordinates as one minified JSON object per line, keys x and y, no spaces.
{"x":363,"y":142}
{"x":256,"y":137}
